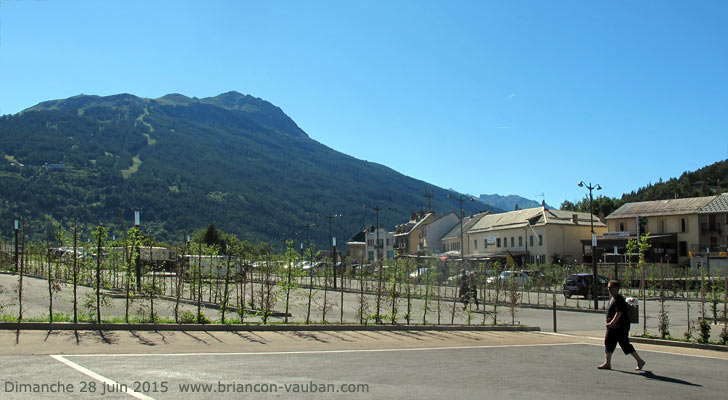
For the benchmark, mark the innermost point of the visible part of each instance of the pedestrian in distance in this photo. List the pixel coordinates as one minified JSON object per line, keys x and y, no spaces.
{"x":464,"y":290}
{"x":473,"y":290}
{"x":618,"y":329}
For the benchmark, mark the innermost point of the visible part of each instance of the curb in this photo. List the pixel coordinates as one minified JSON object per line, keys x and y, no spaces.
{"x":254,"y":328}
{"x":565,"y":309}
{"x":674,"y":343}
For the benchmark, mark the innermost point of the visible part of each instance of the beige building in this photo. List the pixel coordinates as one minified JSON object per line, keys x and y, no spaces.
{"x":534,"y":235}
{"x":677,"y":227}
{"x":451,"y":240}
{"x":410,"y":238}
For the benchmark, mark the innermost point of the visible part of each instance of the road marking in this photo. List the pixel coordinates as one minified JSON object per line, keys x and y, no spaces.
{"x":101,"y":378}
{"x":323,"y":351}
{"x":647,"y":350}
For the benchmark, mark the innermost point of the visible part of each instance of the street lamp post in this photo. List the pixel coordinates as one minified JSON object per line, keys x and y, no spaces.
{"x":332,"y":243}
{"x":595,"y":288}
{"x":17,"y":226}
{"x":138,"y":260}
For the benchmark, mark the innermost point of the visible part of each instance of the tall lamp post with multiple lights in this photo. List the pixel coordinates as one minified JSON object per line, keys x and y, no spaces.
{"x":595,"y":288}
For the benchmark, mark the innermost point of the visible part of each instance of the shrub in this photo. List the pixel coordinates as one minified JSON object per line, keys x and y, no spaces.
{"x":187,"y":317}
{"x":704,"y":331}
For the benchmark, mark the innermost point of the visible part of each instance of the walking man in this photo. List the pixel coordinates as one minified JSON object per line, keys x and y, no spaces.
{"x":618,"y":329}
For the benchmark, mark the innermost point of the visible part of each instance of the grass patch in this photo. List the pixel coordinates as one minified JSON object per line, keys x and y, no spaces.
{"x":136,"y":162}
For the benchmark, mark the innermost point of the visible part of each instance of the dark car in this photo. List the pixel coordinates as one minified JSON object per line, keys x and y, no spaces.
{"x":581,"y":285}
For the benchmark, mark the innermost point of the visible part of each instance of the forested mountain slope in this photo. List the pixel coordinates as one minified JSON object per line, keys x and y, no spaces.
{"x":233,"y":160}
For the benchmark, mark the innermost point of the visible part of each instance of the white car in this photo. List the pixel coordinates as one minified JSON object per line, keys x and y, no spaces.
{"x":505,"y":276}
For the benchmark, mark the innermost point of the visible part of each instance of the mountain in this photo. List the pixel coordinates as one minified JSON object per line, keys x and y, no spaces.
{"x":509,"y":202}
{"x":233,"y":160}
{"x":707,"y":181}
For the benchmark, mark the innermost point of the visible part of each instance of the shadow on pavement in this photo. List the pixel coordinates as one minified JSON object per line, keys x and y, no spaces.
{"x":143,"y":340}
{"x":651,"y":375}
{"x":255,"y":339}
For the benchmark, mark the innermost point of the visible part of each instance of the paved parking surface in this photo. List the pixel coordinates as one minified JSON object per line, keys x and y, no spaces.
{"x":406,"y":365}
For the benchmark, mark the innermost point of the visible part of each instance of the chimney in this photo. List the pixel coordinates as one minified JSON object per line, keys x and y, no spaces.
{"x":422,"y":213}
{"x":413,"y":216}
{"x":515,"y":208}
{"x":543,"y":204}
{"x":575,"y":218}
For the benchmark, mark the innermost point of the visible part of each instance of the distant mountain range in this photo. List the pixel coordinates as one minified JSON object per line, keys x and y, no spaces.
{"x":233,"y":160}
{"x":509,"y":202}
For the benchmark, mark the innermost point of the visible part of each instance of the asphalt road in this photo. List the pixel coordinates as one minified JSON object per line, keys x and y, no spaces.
{"x":402,"y":365}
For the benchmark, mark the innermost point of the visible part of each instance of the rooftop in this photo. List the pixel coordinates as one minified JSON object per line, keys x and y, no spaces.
{"x":691,"y":205}
{"x":534,"y":217}
{"x":718,"y":205}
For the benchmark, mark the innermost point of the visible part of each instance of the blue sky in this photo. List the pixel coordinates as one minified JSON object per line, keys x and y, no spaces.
{"x":507,"y":97}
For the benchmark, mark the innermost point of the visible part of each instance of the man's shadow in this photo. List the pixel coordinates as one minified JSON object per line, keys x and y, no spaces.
{"x":651,"y":375}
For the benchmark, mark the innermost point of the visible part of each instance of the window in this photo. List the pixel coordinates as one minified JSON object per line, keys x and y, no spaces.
{"x":621,"y":227}
{"x":485,"y":243}
{"x":387,"y":242}
{"x":513,"y":241}
{"x":682,"y":249}
{"x":540,"y":240}
{"x":531,"y":241}
{"x":520,"y":241}
{"x":475,"y":243}
{"x":683,"y":225}
{"x":505,"y":242}
{"x":497,"y":242}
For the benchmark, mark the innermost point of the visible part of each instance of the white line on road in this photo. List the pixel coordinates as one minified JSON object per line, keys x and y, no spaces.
{"x":322,"y":351}
{"x":101,"y":378}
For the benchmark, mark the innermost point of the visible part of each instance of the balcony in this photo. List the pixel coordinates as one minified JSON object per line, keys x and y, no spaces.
{"x":706,"y":228}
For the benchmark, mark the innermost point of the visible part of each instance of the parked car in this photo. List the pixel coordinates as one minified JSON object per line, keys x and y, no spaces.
{"x":581,"y":285}
{"x":521,"y":278}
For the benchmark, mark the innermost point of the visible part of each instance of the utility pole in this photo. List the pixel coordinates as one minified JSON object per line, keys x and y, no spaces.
{"x":461,"y":199}
{"x":429,"y":195}
{"x":595,"y":287}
